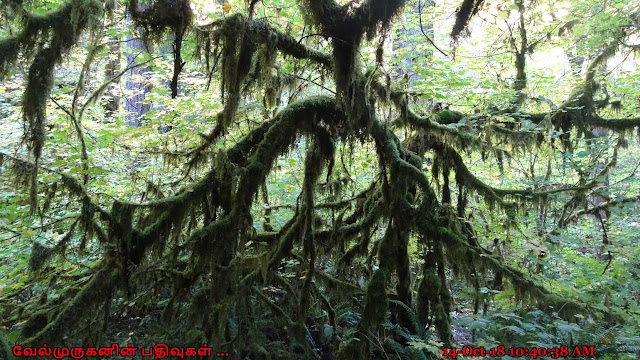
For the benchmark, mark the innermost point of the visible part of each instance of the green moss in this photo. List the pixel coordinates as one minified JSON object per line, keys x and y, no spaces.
{"x":464,"y":13}
{"x":376,"y":303}
{"x":203,"y":235}
{"x":5,"y":351}
{"x":161,"y":15}
{"x":9,"y":51}
{"x":443,"y":324}
{"x":36,"y":323}
{"x":446,"y":117}
{"x":95,"y":291}
{"x":427,"y":296}
{"x":565,"y":308}
{"x":353,"y":348}
{"x":196,"y":337}
{"x":39,"y":257}
{"x":44,"y":40}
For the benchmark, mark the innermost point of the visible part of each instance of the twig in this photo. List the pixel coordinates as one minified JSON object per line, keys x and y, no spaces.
{"x":425,"y":34}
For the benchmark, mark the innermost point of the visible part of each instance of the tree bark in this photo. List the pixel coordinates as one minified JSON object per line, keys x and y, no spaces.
{"x":137,"y":84}
{"x":111,"y":69}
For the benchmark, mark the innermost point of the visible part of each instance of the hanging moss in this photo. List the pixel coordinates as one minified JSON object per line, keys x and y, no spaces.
{"x":9,"y":50}
{"x":427,"y":295}
{"x":160,"y":15}
{"x":614,"y":124}
{"x":44,"y":40}
{"x":442,"y":324}
{"x":40,"y":255}
{"x":443,"y":308}
{"x":464,"y":13}
{"x":96,"y":290}
{"x":198,"y":250}
{"x":376,"y":304}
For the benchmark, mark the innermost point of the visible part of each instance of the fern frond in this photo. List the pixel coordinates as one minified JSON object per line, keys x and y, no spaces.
{"x":412,"y":316}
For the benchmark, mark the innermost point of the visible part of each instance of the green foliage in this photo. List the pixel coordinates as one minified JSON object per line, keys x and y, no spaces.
{"x":316,"y":179}
{"x":539,"y":330}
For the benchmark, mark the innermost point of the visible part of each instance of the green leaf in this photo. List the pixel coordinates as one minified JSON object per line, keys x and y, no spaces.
{"x":13,"y":336}
{"x":515,"y":329}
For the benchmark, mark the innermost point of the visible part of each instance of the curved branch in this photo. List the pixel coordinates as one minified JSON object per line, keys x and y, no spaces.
{"x":263,"y":33}
{"x":425,"y":34}
{"x":467,"y":178}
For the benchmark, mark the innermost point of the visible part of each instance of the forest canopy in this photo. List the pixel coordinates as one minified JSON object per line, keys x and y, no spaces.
{"x":320,"y":179}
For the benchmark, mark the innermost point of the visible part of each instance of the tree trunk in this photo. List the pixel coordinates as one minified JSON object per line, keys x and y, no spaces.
{"x":137,"y":84}
{"x":111,"y":69}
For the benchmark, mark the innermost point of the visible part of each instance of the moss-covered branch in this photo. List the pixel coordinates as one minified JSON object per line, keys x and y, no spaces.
{"x":44,"y":40}
{"x":601,"y":207}
{"x":620,"y":124}
{"x":99,"y":288}
{"x":205,"y":233}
